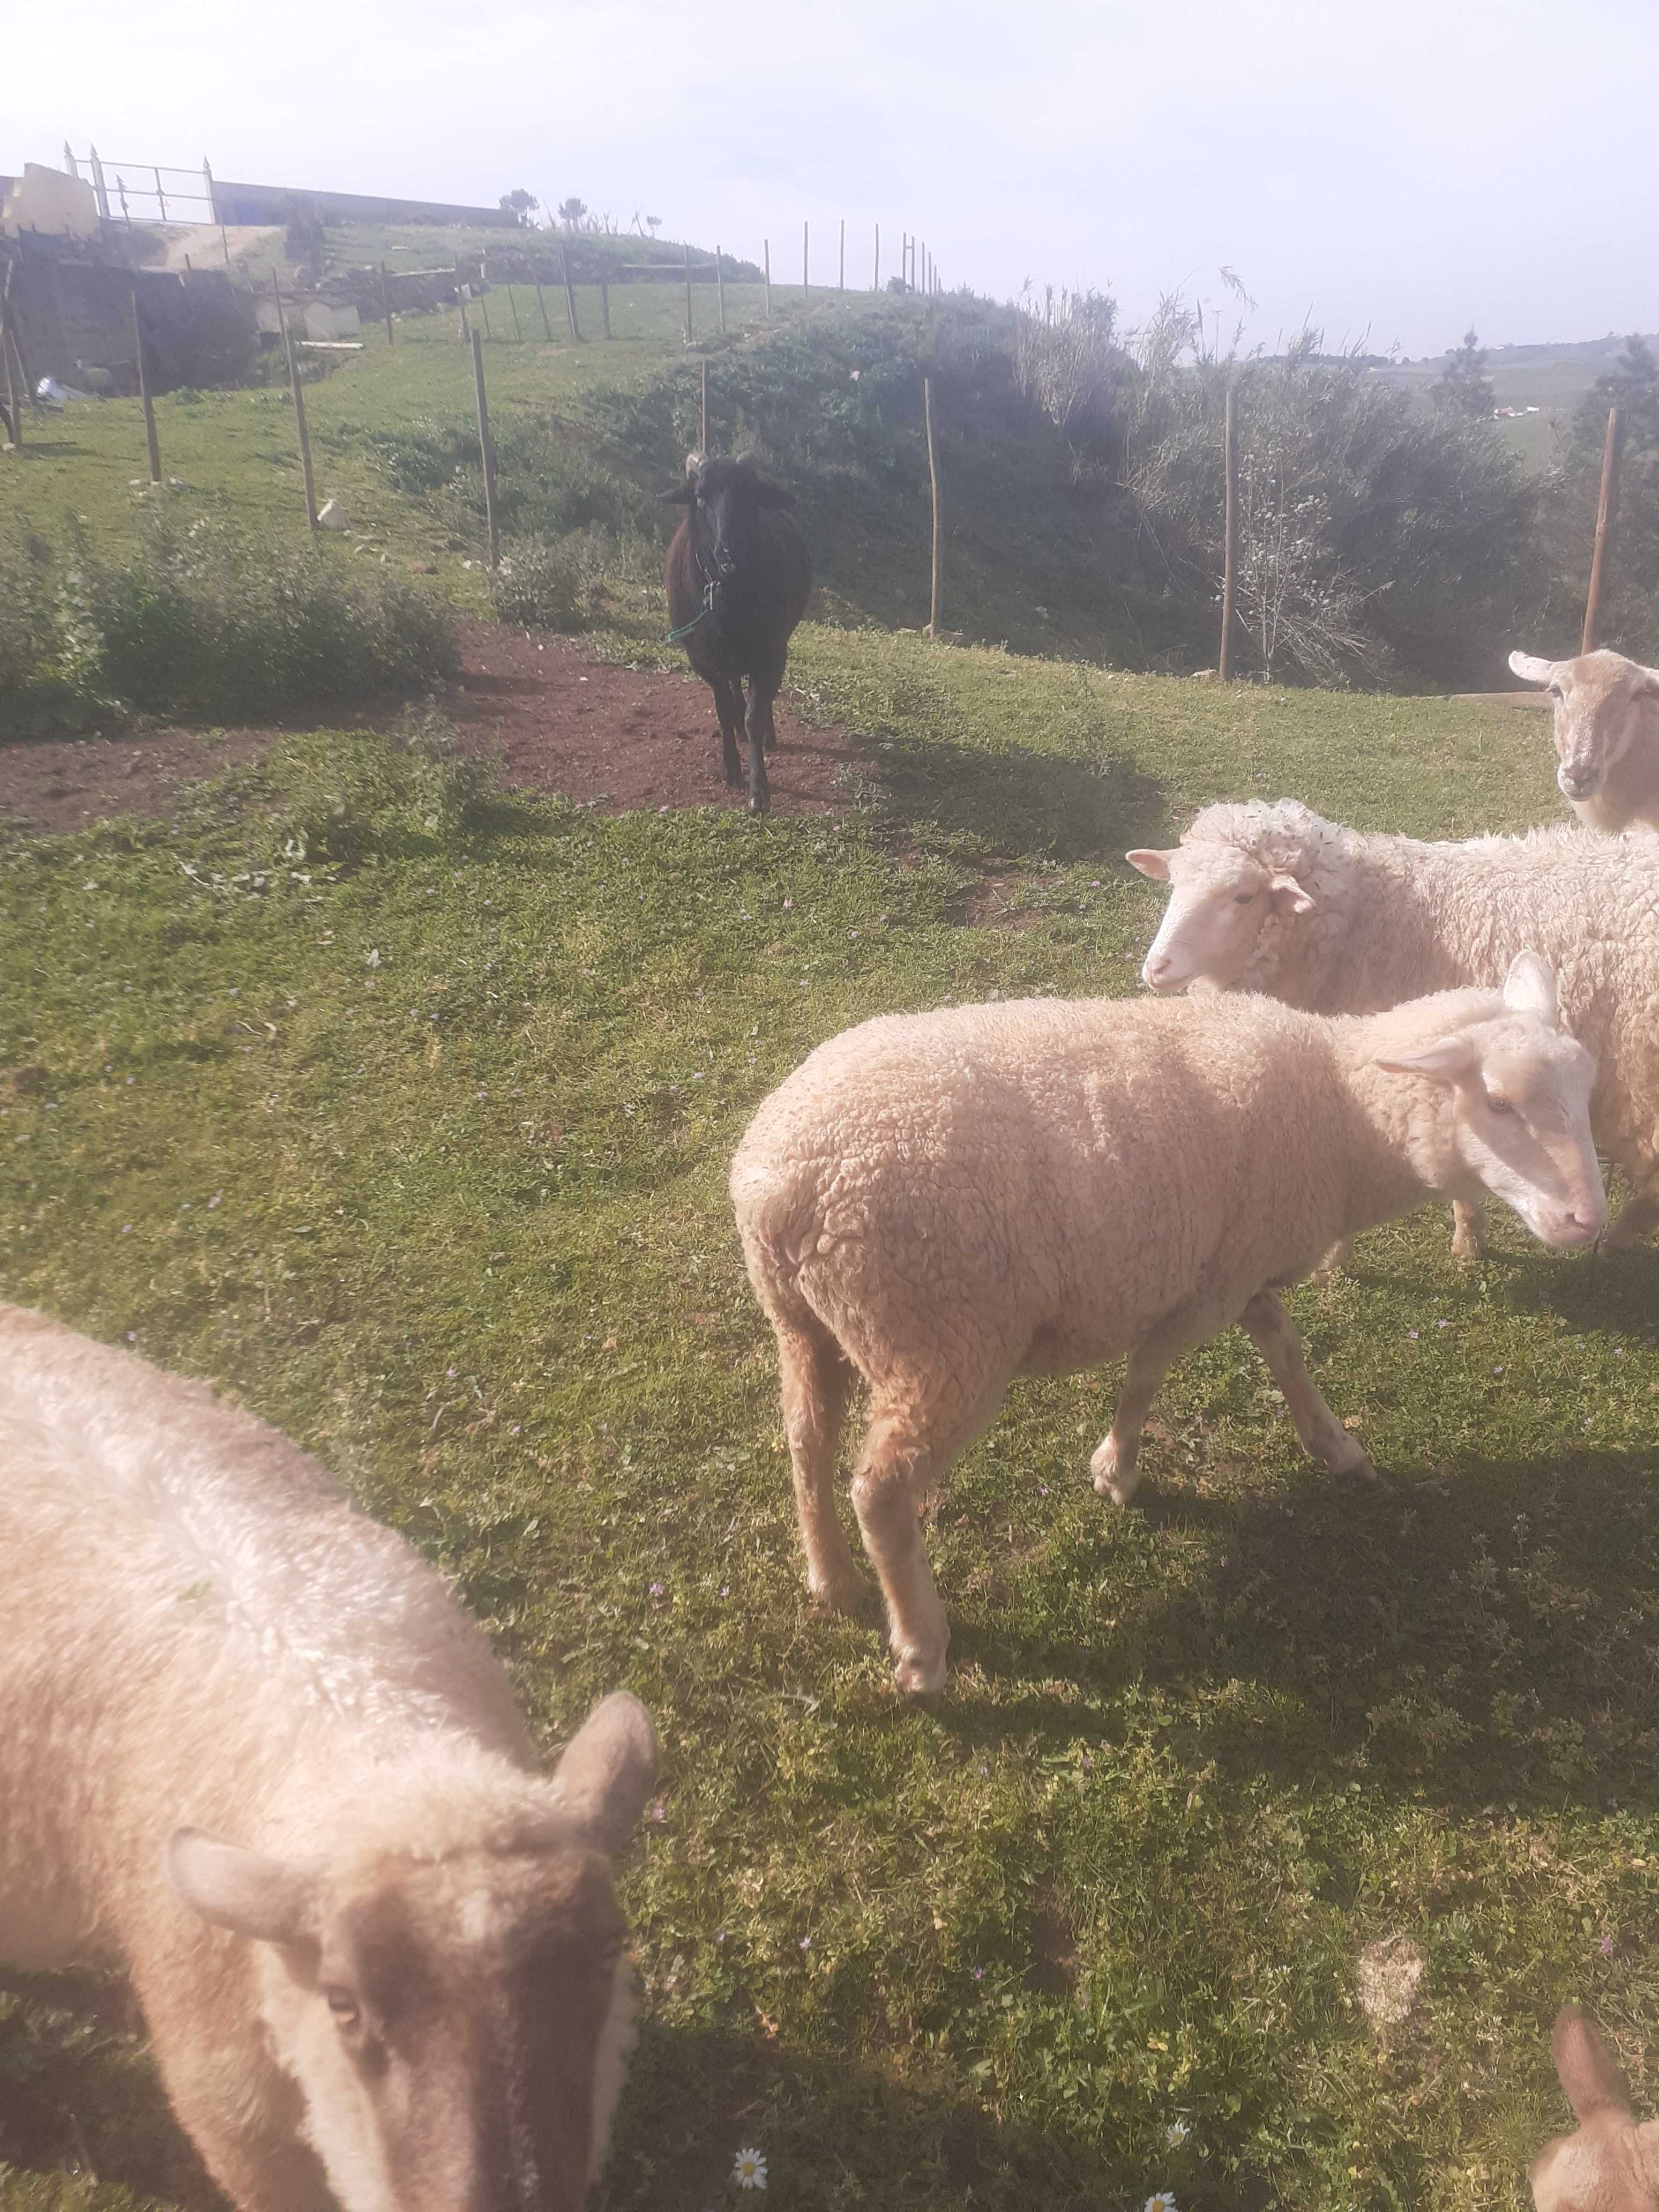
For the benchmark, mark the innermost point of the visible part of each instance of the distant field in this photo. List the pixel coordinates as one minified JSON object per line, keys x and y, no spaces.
{"x":1553,"y":379}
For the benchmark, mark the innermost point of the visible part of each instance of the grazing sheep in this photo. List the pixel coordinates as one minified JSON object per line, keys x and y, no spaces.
{"x":738,"y":575}
{"x":1269,"y":896}
{"x":1606,"y":736}
{"x":1609,"y":2164}
{"x":251,"y":1747}
{"x":943,"y":1202}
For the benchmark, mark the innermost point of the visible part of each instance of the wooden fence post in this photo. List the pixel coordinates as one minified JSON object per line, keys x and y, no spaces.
{"x":1230,"y":536}
{"x":720,"y":286}
{"x":298,"y":403}
{"x":605,"y":300}
{"x":7,"y":352}
{"x":385,"y":302}
{"x":513,"y":303}
{"x":875,"y":280}
{"x":766,"y":248}
{"x":570,"y":294}
{"x":465,"y":330}
{"x":144,"y":392}
{"x":933,"y":472}
{"x":486,"y":449}
{"x":840,"y":284}
{"x":702,"y":439}
{"x":483,"y":299}
{"x":688,"y":292}
{"x":1607,"y":516}
{"x":536,"y":279}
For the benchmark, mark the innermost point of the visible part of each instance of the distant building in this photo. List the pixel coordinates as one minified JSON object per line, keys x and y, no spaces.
{"x":270,"y":204}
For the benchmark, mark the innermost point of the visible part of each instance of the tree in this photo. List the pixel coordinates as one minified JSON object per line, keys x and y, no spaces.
{"x":571,"y":211}
{"x":1463,"y":383}
{"x":1630,"y":609}
{"x":520,"y":204}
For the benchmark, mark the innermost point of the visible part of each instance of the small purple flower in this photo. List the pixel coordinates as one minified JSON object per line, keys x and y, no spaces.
{"x":806,"y":1943}
{"x":658,"y":1813}
{"x":516,"y":1426}
{"x":978,"y":1974}
{"x":126,"y":1229}
{"x":657,"y":1590}
{"x":1605,"y":1947}
{"x":721,"y":1938}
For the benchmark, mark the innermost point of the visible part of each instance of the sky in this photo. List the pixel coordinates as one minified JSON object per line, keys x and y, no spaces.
{"x":1394,"y":170}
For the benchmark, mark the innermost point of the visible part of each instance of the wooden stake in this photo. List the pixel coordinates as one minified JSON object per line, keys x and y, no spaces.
{"x":225,"y":242}
{"x":875,"y":280}
{"x":604,"y":302}
{"x":514,"y":304}
{"x":766,"y":248}
{"x":535,"y":278}
{"x":719,"y":287}
{"x":483,"y":300}
{"x":570,"y":294}
{"x":143,"y":393}
{"x":1606,"y":515}
{"x":702,"y":441}
{"x":1230,"y":536}
{"x":294,"y":386}
{"x":933,"y":472}
{"x":486,"y":449}
{"x":7,"y":351}
{"x":688,"y":292}
{"x":840,"y":284}
{"x":465,"y":330}
{"x":385,"y":301}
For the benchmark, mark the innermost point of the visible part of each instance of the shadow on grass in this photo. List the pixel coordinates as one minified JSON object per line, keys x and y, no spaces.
{"x":1490,"y":1634}
{"x":1019,"y":800}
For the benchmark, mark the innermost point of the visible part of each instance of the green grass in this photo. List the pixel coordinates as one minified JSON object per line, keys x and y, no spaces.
{"x":423,"y":1156}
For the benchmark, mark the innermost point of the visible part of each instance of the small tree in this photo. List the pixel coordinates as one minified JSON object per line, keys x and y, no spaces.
{"x":1463,"y":383}
{"x":520,"y":204}
{"x":571,"y":212}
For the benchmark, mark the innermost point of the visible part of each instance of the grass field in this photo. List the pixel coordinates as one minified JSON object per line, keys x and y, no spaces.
{"x":419,"y":1151}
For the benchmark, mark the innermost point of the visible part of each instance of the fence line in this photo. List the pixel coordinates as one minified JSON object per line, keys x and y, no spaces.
{"x":1607,"y":517}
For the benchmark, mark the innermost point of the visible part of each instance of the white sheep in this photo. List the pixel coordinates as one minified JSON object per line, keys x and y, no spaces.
{"x":1267,"y":895}
{"x":251,"y":1747}
{"x":940,"y":1202}
{"x":1607,"y":735}
{"x":1609,"y":2163}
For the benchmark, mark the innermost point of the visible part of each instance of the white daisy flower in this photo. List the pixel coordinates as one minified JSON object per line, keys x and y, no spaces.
{"x":749,"y":2171}
{"x":1161,"y":2202}
{"x":1176,"y":2133}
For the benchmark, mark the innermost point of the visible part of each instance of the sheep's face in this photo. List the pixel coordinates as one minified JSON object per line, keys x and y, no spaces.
{"x":1520,"y":1127}
{"x":454,"y":2011}
{"x":1601,"y":701}
{"x":727,"y":500}
{"x":1609,"y":2164}
{"x":1220,"y":900}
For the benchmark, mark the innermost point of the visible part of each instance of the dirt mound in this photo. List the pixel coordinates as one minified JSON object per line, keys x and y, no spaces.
{"x":614,"y":738}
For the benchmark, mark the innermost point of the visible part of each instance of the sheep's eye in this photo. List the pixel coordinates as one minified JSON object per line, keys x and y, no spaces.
{"x":343,"y":2006}
{"x":1244,"y":898}
{"x":1498,"y":1105}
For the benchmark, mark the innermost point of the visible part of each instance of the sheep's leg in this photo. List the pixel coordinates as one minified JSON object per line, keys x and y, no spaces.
{"x":1116,"y":1465}
{"x":907,"y":1447}
{"x":1326,"y":1439}
{"x":728,"y":706}
{"x":1339,"y":1256}
{"x":756,"y":719}
{"x":1469,"y":1228}
{"x":817,"y":1383}
{"x":1639,"y":1213}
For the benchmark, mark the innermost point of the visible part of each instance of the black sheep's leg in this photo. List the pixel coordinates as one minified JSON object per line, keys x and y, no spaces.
{"x":728,"y":706}
{"x":755,"y":720}
{"x":764,"y":684}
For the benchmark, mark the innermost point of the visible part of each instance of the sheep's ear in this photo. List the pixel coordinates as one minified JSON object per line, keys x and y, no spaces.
{"x":1447,"y":1060}
{"x":1530,"y":668}
{"x":1587,"y":2070}
{"x":608,"y":1771}
{"x":1151,"y":862}
{"x":1289,"y":897}
{"x":1529,"y":988}
{"x":240,"y":1889}
{"x":767,"y":494}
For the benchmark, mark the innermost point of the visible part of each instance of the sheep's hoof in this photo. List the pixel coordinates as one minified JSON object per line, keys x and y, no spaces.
{"x":1116,"y":1475}
{"x":759,"y":805}
{"x":1333,"y":1263}
{"x":1350,"y":1457}
{"x":1468,"y":1251}
{"x":918,"y":1676}
{"x":846,"y":1597}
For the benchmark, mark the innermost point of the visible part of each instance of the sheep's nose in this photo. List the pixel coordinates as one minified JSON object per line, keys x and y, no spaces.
{"x":1155,"y":967}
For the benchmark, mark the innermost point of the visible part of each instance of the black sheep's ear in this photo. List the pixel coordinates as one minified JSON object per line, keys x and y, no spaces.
{"x":682,"y":495}
{"x":767,"y":494}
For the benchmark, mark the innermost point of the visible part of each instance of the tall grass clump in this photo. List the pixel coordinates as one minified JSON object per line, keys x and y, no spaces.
{"x":34,"y":692}
{"x":200,"y":620}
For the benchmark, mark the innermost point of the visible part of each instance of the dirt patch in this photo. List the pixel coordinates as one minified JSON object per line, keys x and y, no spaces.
{"x":613,"y":739}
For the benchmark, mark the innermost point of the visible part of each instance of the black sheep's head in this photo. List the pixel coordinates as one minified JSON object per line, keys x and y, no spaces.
{"x":726,"y":500}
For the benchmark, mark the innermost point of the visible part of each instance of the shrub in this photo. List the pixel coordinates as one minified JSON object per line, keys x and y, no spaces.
{"x":342,"y":796}
{"x":200,"y":620}
{"x":549,"y":583}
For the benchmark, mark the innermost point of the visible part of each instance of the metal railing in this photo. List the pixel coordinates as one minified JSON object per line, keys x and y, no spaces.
{"x":139,"y":191}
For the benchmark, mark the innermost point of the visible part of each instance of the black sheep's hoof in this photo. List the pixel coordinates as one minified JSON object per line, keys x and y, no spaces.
{"x":762,"y":805}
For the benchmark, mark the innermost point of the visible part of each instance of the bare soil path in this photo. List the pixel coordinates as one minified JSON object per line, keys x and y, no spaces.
{"x":614,"y":738}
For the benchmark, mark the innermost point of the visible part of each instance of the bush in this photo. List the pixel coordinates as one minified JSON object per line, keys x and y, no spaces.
{"x":200,"y":620}
{"x":549,"y":583}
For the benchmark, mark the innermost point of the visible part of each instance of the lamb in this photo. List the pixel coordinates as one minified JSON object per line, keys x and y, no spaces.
{"x":1269,"y":896}
{"x":1609,"y":2164}
{"x":1606,"y":736}
{"x":940,"y":1202}
{"x":250,"y":1747}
